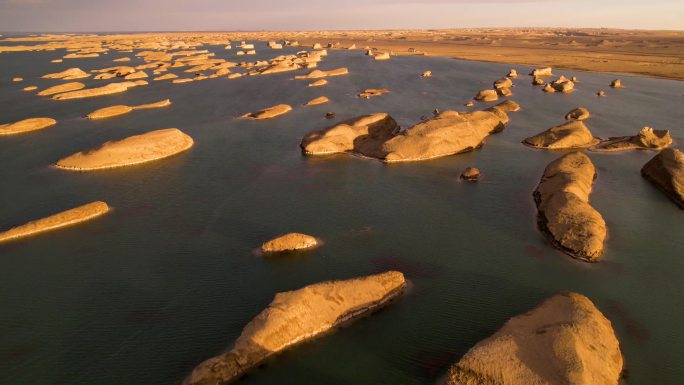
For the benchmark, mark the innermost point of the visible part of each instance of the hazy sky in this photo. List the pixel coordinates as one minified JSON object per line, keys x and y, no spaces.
{"x":177,"y":15}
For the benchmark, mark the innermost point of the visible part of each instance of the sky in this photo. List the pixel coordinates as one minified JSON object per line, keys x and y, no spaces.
{"x":248,"y":15}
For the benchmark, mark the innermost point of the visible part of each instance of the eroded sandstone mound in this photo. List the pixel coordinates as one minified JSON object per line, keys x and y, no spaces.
{"x":297,"y":316}
{"x":546,"y":71}
{"x":289,"y":242}
{"x":370,"y":93}
{"x":108,"y":112}
{"x":573,"y":134}
{"x":268,"y":113}
{"x":62,"y":219}
{"x":318,"y":74}
{"x":646,"y":139}
{"x":377,"y":135}
{"x":66,"y":87}
{"x":487,"y":96}
{"x":26,"y":125}
{"x":564,"y":212}
{"x":317,"y":101}
{"x":112,"y":88}
{"x":137,"y":149}
{"x":70,"y":74}
{"x":564,"y":340}
{"x":666,"y":172}
{"x":579,"y":113}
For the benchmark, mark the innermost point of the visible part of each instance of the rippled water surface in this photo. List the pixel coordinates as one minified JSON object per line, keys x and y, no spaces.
{"x":169,"y":278}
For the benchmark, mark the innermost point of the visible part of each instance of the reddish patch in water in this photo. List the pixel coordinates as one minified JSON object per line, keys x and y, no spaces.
{"x":534,"y":251}
{"x":632,"y":325}
{"x":408,"y":267}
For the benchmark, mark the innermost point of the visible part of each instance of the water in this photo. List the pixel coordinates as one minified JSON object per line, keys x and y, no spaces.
{"x":169,"y":278}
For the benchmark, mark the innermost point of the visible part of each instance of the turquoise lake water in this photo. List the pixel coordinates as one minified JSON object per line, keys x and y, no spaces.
{"x":169,"y":277}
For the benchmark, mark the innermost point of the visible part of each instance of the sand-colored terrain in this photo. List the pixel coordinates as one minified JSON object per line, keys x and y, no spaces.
{"x":565,"y":340}
{"x":652,"y":53}
{"x":289,"y":242}
{"x":133,"y":150}
{"x":65,"y":218}
{"x":565,"y":215}
{"x":297,"y":316}
{"x":26,"y":125}
{"x":666,"y":172}
{"x":108,"y":112}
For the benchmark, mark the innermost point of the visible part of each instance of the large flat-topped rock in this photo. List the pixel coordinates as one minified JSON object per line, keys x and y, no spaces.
{"x":378,"y":136}
{"x":318,"y":74}
{"x":666,"y":172}
{"x":565,"y":214}
{"x":646,"y":139}
{"x":565,"y":340}
{"x":26,"y":125}
{"x":130,"y":151}
{"x":63,"y":219}
{"x":297,"y":316}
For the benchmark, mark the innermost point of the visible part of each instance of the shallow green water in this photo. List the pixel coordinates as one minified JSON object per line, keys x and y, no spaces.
{"x":169,"y":278}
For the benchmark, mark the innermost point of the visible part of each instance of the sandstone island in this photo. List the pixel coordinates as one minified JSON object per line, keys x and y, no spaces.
{"x":56,"y":221}
{"x":378,"y":136}
{"x":297,"y":316}
{"x":565,"y":340}
{"x":565,"y":214}
{"x":130,"y":151}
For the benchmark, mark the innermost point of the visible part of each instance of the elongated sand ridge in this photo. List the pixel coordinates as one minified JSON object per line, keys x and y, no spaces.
{"x":108,"y":112}
{"x":130,"y":151}
{"x":297,"y":316}
{"x":66,"y":87}
{"x":26,"y":125}
{"x":565,"y":214}
{"x":112,"y":88}
{"x":564,"y":340}
{"x":269,"y":113}
{"x":56,"y":221}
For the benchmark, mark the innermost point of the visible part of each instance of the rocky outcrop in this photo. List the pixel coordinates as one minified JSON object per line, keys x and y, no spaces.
{"x":378,"y":135}
{"x":112,"y":88}
{"x":563,"y":84}
{"x":617,"y":83}
{"x":317,"y":101}
{"x":318,"y":83}
{"x":503,"y":83}
{"x":382,"y":56}
{"x":297,"y":316}
{"x":646,"y":139}
{"x":573,"y":134}
{"x":30,"y":88}
{"x":66,"y":87}
{"x":564,"y":340}
{"x":564,"y":212}
{"x":166,"y":77}
{"x":370,"y":93}
{"x":487,"y":96}
{"x":270,"y":112}
{"x":26,"y":125}
{"x":318,"y":74}
{"x":133,"y":150}
{"x":471,"y":174}
{"x":547,"y":71}
{"x":579,"y":113}
{"x":512,"y":73}
{"x":70,"y":74}
{"x":289,"y":242}
{"x":56,"y":221}
{"x":666,"y":172}
{"x":112,"y":111}
{"x":427,"y":74}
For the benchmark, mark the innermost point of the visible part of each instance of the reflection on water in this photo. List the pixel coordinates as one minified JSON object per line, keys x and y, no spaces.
{"x":168,"y":279}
